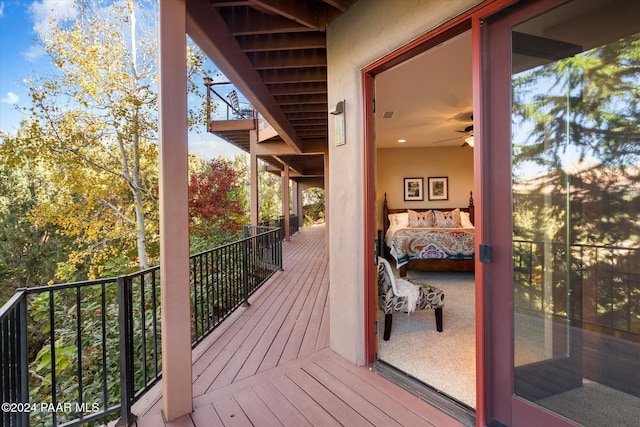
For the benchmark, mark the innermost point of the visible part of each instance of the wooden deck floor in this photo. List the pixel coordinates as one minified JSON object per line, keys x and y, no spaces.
{"x":270,"y":364}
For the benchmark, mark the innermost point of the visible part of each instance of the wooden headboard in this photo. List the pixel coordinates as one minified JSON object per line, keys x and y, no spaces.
{"x":386,"y":211}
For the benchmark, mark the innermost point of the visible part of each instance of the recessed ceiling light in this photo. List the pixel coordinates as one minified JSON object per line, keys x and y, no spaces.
{"x":402,"y":140}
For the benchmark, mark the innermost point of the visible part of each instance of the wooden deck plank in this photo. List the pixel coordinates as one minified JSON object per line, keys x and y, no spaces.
{"x":408,"y":402}
{"x":270,"y":363}
{"x":264,"y":332}
{"x":151,"y":418}
{"x":283,"y":409}
{"x":314,"y":328}
{"x":258,"y":413}
{"x":311,"y":410}
{"x":230,"y":413}
{"x":260,"y":378}
{"x":338,"y":409}
{"x":269,"y":348}
{"x":303,"y":325}
{"x":232,"y":339}
{"x":285,"y":339}
{"x":206,"y":416}
{"x":342,"y":390}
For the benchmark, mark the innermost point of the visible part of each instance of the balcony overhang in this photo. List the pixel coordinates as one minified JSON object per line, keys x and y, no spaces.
{"x":274,"y":53}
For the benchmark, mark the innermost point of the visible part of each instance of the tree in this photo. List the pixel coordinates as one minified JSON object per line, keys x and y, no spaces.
{"x":577,"y":121}
{"x":270,"y":198}
{"x":93,"y":122}
{"x":25,"y":241}
{"x":576,"y":157}
{"x":216,"y":208}
{"x":313,"y":205}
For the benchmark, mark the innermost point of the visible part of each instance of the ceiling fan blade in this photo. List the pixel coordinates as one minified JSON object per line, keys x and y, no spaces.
{"x":445,"y":140}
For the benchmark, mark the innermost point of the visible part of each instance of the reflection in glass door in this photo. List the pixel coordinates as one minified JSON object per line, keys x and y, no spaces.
{"x":575,"y":132}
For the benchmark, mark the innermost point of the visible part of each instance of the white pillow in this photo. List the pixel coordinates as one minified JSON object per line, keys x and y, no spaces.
{"x":399,"y":219}
{"x":447,"y":219}
{"x":466,"y":220}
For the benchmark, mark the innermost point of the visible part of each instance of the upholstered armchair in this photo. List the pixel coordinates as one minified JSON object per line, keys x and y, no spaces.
{"x":402,"y":295}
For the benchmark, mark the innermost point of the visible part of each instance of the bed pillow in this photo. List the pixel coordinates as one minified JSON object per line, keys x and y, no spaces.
{"x":399,"y":219}
{"x":420,"y":219}
{"x":448,"y":219}
{"x":465,"y":220}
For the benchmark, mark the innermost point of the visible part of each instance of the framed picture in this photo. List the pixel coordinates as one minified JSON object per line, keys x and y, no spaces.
{"x":438,"y":188}
{"x":414,"y":188}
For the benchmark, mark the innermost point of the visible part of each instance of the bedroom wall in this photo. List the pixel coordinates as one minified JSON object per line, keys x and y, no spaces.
{"x":395,"y":164}
{"x":368,"y":31}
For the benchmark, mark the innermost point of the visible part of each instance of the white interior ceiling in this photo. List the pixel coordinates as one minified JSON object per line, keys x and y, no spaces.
{"x":428,"y":96}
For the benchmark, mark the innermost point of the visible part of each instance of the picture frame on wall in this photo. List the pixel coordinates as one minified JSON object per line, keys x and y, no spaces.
{"x":438,"y":188}
{"x":413,"y":189}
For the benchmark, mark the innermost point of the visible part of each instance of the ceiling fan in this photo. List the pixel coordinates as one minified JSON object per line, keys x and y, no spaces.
{"x":468,"y":141}
{"x":468,"y":131}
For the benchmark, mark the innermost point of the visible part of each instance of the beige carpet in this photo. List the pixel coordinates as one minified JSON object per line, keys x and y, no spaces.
{"x":445,"y":360}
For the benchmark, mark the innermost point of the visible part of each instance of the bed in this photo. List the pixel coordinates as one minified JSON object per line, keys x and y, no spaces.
{"x":429,"y":239}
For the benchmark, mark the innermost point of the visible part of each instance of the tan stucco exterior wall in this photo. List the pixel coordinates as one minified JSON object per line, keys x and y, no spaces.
{"x":368,"y":31}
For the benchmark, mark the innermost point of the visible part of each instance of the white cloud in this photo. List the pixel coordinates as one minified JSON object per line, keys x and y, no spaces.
{"x":10,"y":99}
{"x":44,"y":12}
{"x":1,"y":9}
{"x":33,"y":53}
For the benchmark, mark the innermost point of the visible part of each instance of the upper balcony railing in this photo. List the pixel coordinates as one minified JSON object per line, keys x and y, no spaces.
{"x":233,"y":108}
{"x":86,"y":351}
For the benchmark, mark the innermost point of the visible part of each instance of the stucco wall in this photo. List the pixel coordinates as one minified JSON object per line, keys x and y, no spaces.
{"x":366,"y":32}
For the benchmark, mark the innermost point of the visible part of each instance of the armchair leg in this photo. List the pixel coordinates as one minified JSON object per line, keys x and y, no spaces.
{"x":439,"y":319}
{"x":388,"y":319}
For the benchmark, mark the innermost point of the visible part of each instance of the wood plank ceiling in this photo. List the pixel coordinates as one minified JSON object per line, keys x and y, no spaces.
{"x":274,"y":52}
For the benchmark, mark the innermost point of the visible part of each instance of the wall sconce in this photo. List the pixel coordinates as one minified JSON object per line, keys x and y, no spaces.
{"x":338,"y":112}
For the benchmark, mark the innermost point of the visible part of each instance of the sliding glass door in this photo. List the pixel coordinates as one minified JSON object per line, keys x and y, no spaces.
{"x":567,"y":104}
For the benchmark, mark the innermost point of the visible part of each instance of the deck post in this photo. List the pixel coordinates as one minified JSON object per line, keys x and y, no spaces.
{"x":253,"y":176}
{"x":174,"y":215}
{"x":285,"y":203}
{"x":125,"y":332}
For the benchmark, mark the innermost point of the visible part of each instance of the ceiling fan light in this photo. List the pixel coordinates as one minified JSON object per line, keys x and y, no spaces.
{"x":469,"y":140}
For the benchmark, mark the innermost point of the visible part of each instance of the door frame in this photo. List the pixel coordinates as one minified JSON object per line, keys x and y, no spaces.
{"x":496,"y":161}
{"x":488,"y":380}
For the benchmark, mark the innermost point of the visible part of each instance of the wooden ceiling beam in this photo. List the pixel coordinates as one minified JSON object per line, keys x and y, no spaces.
{"x":314,"y":122}
{"x":341,"y":5}
{"x":306,"y":75}
{"x":295,"y":10}
{"x":282,"y":42}
{"x":208,"y":30}
{"x":288,"y":59}
{"x":301,"y":99}
{"x":298,"y":89}
{"x":246,"y":21}
{"x":293,"y":116}
{"x":306,"y":108}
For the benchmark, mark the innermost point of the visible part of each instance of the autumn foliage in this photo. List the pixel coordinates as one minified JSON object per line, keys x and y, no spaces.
{"x":215,"y":201}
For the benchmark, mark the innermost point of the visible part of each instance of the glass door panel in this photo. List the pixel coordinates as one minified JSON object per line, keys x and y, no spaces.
{"x":575,"y":150}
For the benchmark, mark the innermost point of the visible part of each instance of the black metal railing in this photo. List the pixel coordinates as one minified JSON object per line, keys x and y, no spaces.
{"x":294,"y":224}
{"x":223,"y":278}
{"x":603,"y":282}
{"x":81,"y":352}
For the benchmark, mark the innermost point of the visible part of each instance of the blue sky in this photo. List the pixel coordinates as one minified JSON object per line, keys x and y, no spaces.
{"x":20,"y":57}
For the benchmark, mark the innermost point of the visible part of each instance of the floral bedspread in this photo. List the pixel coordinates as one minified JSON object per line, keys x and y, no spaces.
{"x":431,"y":243}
